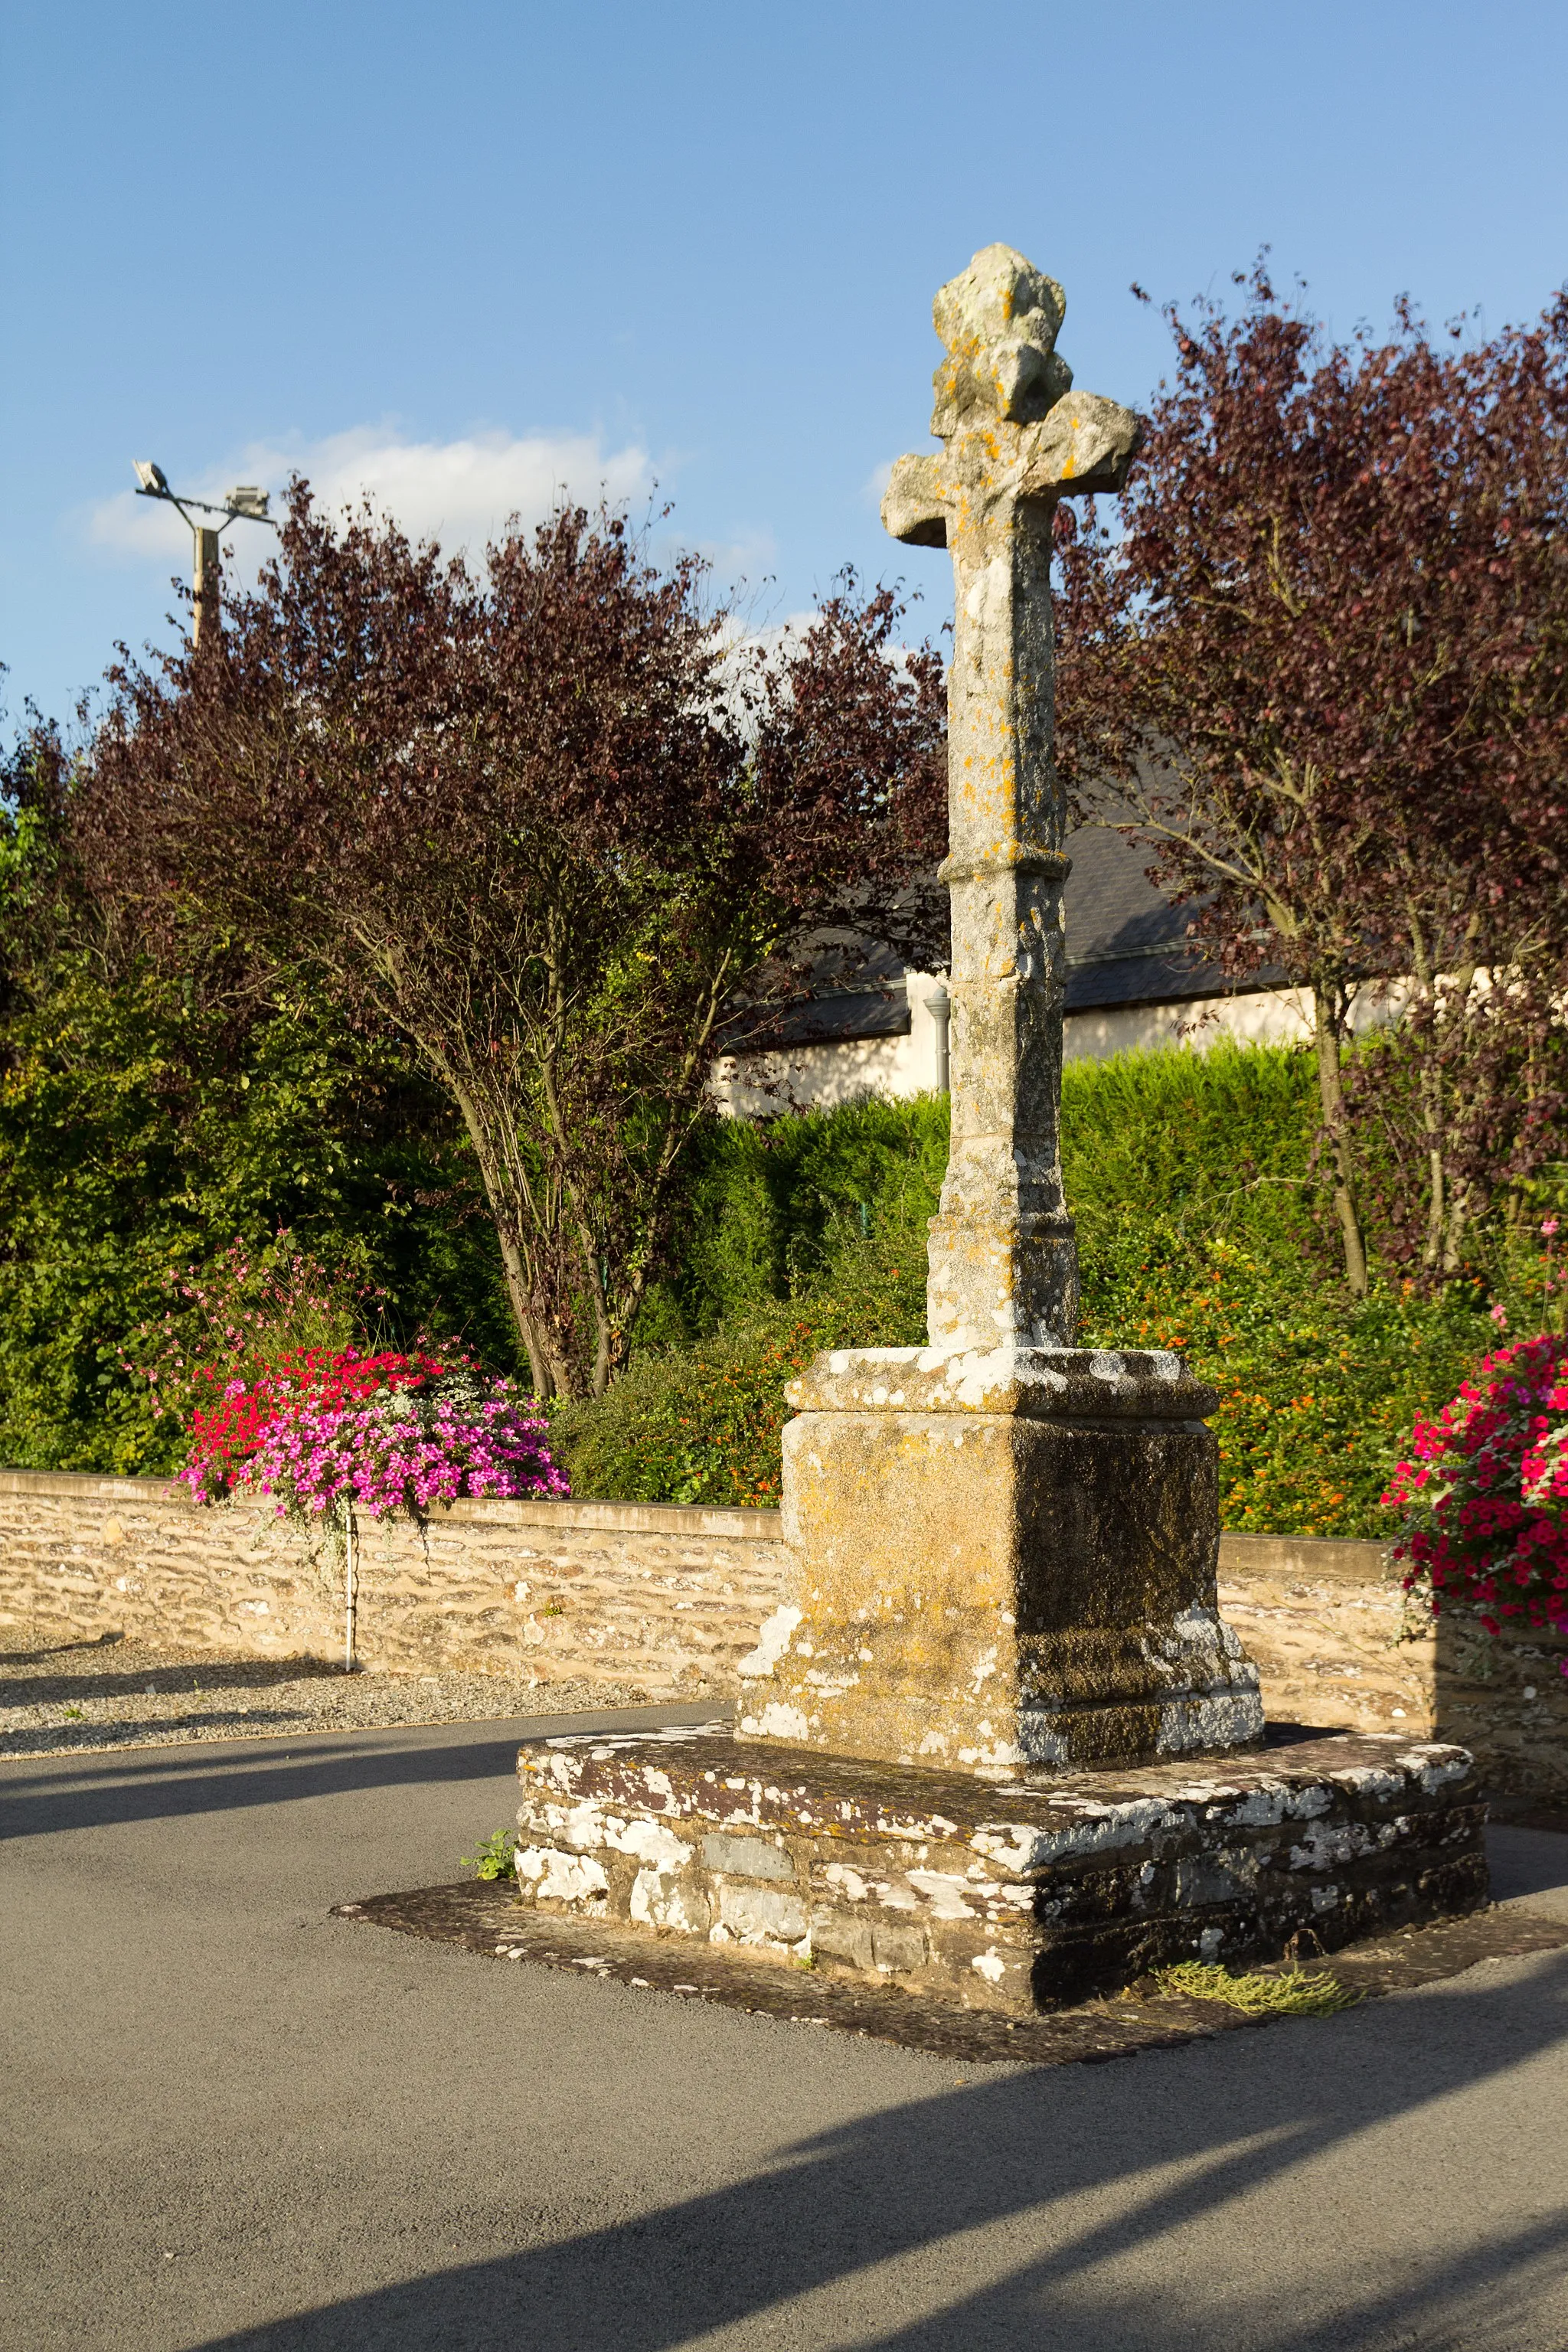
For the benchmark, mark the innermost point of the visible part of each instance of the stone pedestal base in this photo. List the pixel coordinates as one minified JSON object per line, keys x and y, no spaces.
{"x":1001,"y":1560}
{"x":1016,"y":1897}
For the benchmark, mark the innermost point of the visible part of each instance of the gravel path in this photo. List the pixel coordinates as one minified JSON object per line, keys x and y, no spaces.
{"x":61,"y":1698}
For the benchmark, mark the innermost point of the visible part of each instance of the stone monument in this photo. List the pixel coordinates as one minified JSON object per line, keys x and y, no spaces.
{"x":1008,"y":1544}
{"x":966,"y":1742}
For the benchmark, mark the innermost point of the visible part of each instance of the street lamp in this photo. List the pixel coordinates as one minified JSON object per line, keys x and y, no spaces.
{"x":245,"y":503}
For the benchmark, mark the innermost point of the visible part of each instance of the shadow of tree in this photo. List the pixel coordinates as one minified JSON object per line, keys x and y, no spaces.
{"x":170,"y":1681}
{"x":31,"y":1656}
{"x":40,"y":1796}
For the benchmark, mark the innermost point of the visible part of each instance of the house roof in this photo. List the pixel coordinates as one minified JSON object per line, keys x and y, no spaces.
{"x":1126,"y":944}
{"x":834,"y":1020}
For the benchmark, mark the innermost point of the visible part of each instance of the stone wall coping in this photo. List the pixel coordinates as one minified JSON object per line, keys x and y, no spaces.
{"x":1358,"y":1561}
{"x":628,"y":1519}
{"x":1349,"y":1559}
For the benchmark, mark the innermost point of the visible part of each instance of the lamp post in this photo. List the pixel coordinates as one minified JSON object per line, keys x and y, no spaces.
{"x":244,"y":503}
{"x":939,"y":1004}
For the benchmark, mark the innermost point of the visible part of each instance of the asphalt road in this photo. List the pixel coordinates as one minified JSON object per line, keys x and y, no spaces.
{"x":228,"y":2120}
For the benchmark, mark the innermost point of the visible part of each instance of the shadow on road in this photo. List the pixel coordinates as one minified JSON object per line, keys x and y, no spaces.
{"x":44,"y":1796}
{"x":922,"y":2183}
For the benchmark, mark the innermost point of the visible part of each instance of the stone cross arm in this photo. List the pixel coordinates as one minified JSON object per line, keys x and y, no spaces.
{"x":1084,"y":444}
{"x":1014,"y":431}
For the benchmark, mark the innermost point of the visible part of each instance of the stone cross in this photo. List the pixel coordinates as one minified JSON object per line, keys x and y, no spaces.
{"x":1004,"y":1545}
{"x":1002,"y":1259}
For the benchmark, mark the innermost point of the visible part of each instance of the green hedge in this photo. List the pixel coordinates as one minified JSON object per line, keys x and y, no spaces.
{"x":141,"y":1133}
{"x":1201,"y":1225}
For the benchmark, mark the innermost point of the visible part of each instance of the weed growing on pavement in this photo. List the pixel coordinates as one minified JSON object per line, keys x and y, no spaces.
{"x":495,"y":1857}
{"x":1295,"y":1994}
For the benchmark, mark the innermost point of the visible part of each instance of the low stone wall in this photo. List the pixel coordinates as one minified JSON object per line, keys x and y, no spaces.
{"x":668,"y":1599}
{"x":671,"y":1600}
{"x":1337,"y":1644}
{"x":1335,"y":1641}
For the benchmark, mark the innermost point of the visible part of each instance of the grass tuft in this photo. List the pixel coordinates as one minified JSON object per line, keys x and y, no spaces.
{"x":1294,"y":1994}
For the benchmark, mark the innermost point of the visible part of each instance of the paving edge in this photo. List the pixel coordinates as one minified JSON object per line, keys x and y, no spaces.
{"x":487,"y":1920}
{"x":650,"y":1715}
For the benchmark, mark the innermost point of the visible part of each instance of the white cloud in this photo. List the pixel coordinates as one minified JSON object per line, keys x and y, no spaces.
{"x":776,"y":641}
{"x":458,"y":492}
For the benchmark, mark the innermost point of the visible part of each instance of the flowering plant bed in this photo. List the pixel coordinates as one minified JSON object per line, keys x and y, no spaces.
{"x":1486,"y":1497}
{"x":325,"y":1435}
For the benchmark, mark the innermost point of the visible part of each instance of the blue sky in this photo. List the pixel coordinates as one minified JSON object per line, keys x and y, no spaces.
{"x":472,"y":254}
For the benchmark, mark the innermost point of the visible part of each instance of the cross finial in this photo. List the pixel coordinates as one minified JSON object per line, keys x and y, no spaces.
{"x":1003,"y":378}
{"x":999,"y":319}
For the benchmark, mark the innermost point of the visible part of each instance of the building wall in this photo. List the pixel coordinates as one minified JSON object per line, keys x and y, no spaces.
{"x":820,"y":1077}
{"x":671,"y":1599}
{"x":1268,"y":1016}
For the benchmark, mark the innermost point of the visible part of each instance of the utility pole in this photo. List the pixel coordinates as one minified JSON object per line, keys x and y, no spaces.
{"x":205,"y":584}
{"x":244,"y":503}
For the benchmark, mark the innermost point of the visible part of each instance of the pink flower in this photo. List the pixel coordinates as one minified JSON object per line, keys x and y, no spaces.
{"x":1548,"y":1228}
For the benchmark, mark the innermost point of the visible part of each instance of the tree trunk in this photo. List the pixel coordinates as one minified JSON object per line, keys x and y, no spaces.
{"x":1331,"y":1096}
{"x":1454,"y":1233}
{"x":550,"y":1377}
{"x":518,"y":1298}
{"x":1437,"y":1206}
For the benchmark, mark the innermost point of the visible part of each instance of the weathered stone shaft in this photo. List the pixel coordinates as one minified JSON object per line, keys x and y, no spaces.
{"x":1005,"y":1546}
{"x":1003,"y":1270}
{"x":1003,"y":1258}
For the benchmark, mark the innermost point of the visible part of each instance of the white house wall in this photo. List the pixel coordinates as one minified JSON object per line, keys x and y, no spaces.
{"x":1272,"y":1016}
{"x":821,"y":1077}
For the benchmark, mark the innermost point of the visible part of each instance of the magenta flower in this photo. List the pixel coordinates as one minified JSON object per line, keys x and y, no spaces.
{"x":376,"y":1435}
{"x":1489,"y":1504}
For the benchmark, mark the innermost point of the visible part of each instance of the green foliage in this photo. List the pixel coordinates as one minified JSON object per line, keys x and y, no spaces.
{"x":773,"y":1207}
{"x":496,"y":1857}
{"x":700,"y":1424}
{"x":1201,"y":1227}
{"x":806,"y":1234}
{"x":144,"y":1125}
{"x":141,"y":1132}
{"x":1295,"y":1993}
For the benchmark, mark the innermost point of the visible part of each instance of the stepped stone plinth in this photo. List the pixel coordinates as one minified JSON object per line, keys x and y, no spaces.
{"x":1015,"y":1896}
{"x":1004,"y":1561}
{"x":998,"y":1743}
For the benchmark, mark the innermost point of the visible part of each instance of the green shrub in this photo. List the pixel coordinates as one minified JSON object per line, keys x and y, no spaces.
{"x":771,"y":1206}
{"x":141,"y":1134}
{"x":1202,"y":1227}
{"x":700,"y":1422}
